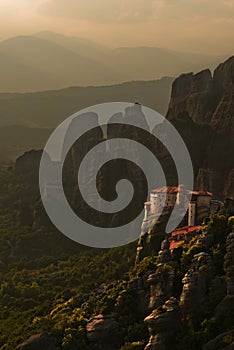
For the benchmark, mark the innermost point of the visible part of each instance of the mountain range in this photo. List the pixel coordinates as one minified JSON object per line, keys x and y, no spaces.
{"x":60,"y":295}
{"x":49,"y":60}
{"x":201,"y":108}
{"x":25,"y":114}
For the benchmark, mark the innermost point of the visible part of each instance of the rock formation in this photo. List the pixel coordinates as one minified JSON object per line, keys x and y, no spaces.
{"x":209,"y":104}
{"x":222,"y":118}
{"x":139,"y":286}
{"x":161,"y":286}
{"x":206,"y":99}
{"x":27,"y":167}
{"x":229,"y":264}
{"x":161,"y":282}
{"x":39,"y":342}
{"x":163,"y":323}
{"x":193,"y":94}
{"x":164,"y":255}
{"x":226,"y":306}
{"x":28,"y":163}
{"x":196,"y":282}
{"x":164,"y":308}
{"x":224,"y":310}
{"x":102,"y":332}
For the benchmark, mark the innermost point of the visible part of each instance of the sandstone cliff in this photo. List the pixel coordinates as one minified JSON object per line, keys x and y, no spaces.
{"x":207,"y":102}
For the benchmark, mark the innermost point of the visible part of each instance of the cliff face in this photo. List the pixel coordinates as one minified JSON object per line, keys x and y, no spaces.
{"x":163,"y":323}
{"x":193,"y":94}
{"x":201,"y":108}
{"x":206,"y":101}
{"x":222,"y":118}
{"x":196,"y":282}
{"x":27,"y":167}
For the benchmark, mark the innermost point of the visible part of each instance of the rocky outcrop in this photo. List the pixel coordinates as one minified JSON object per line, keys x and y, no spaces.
{"x":127,"y":125}
{"x":225,"y":309}
{"x":39,"y":342}
{"x":86,"y":121}
{"x":28,"y":163}
{"x":102,"y":332}
{"x":209,"y":179}
{"x":161,"y":282}
{"x":139,"y":287}
{"x":202,"y":109}
{"x":162,"y":324}
{"x":27,"y":168}
{"x":164,"y":308}
{"x":217,"y":343}
{"x":161,"y":286}
{"x":229,"y":184}
{"x":222,"y":118}
{"x":229,"y":264}
{"x":192,"y":94}
{"x":164,"y":255}
{"x":27,"y":171}
{"x":219,"y":182}
{"x":206,"y":99}
{"x":228,"y":206}
{"x":196,"y":282}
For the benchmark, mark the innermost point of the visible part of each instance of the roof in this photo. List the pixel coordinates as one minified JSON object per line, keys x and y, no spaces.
{"x":148,"y":203}
{"x":166,"y":189}
{"x":202,"y":193}
{"x":176,"y":189}
{"x":174,"y":245}
{"x":185,"y":230}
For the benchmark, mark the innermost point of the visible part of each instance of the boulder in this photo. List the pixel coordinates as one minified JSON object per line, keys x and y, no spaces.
{"x":102,"y":332}
{"x":39,"y":342}
{"x":162,"y":324}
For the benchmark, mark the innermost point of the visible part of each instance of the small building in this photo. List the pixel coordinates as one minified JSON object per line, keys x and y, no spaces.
{"x":199,"y":207}
{"x":163,"y":197}
{"x":183,"y":235}
{"x":168,"y":196}
{"x":158,"y":211}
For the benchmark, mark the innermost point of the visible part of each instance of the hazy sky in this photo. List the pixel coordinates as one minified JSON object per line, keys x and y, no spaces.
{"x":192,"y":25}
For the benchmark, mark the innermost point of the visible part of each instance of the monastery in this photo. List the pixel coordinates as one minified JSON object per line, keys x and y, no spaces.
{"x":165,"y":198}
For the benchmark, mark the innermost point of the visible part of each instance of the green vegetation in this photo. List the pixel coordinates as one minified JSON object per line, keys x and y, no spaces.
{"x":201,"y":325}
{"x":45,"y":283}
{"x":49,"y":283}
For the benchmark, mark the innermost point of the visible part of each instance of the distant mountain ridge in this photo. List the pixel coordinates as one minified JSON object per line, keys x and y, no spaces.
{"x":49,"y":60}
{"x":26,"y":119}
{"x":47,"y":109}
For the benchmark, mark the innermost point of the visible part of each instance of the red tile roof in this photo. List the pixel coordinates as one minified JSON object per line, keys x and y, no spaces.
{"x":185,"y":230}
{"x":174,"y":245}
{"x":166,"y":189}
{"x":201,"y":193}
